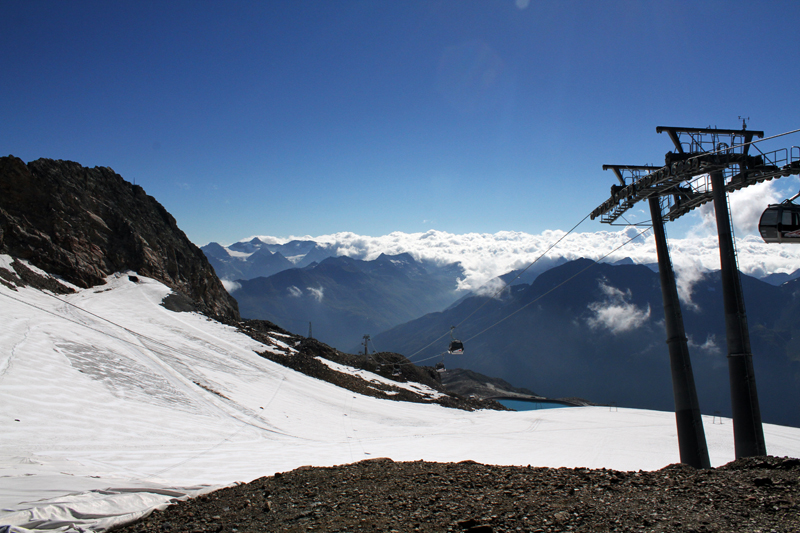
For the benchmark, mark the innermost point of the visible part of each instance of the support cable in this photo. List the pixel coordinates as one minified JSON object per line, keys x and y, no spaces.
{"x":501,"y":289}
{"x":560,"y":284}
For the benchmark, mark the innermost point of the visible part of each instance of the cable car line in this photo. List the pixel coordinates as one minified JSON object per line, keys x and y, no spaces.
{"x":792,"y":209}
{"x":597,"y":261}
{"x":501,"y":289}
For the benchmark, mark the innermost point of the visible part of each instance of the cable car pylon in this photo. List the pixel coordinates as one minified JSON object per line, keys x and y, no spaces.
{"x":691,"y":435}
{"x":717,"y":162}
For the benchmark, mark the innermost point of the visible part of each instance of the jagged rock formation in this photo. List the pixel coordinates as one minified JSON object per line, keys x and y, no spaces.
{"x":83,"y":224}
{"x":257,"y":262}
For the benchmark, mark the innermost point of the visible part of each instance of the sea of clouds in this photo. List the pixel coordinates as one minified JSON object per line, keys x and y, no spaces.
{"x":484,"y":256}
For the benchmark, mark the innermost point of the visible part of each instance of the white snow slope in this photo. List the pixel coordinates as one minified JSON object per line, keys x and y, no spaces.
{"x":111,"y":405}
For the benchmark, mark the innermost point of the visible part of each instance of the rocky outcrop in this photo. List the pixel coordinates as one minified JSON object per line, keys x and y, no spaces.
{"x":308,"y":356}
{"x":83,"y":224}
{"x":468,"y":383}
{"x":753,"y":494}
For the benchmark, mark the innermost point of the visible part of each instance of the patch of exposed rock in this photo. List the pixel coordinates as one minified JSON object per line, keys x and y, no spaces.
{"x":21,"y":275}
{"x":83,"y":224}
{"x":759,"y":494}
{"x":467,"y":383}
{"x":474,"y":385}
{"x":308,"y":356}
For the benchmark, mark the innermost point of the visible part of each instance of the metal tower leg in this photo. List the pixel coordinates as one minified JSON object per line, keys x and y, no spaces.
{"x":748,"y":434}
{"x":691,"y":436}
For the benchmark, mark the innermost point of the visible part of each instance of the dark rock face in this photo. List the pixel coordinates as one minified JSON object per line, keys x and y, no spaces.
{"x":83,"y":224}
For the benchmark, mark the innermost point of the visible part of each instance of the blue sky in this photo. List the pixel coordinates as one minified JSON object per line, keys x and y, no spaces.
{"x":313,"y":117}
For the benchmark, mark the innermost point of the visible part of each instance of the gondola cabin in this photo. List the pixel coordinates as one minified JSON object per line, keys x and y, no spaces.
{"x":780,"y":223}
{"x":456,"y":347}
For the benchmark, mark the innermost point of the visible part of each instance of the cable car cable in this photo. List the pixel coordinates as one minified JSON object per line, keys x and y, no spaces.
{"x":505,"y":285}
{"x":560,"y":284}
{"x":551,"y":290}
{"x":573,"y":229}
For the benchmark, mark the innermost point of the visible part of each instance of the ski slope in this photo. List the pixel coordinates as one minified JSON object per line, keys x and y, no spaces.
{"x":111,"y":405}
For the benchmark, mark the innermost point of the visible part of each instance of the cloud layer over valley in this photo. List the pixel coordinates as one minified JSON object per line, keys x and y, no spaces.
{"x":485,"y":256}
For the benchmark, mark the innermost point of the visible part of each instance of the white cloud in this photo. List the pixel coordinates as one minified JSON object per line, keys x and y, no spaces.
{"x":615,"y":312}
{"x":687,"y":273}
{"x":710,"y":351}
{"x":230,"y":285}
{"x":710,"y":346}
{"x":485,"y":255}
{"x":316,"y":293}
{"x":295,"y":292}
{"x":492,"y":288}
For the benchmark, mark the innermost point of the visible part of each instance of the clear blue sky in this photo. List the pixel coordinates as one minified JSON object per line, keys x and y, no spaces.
{"x":311,"y":117}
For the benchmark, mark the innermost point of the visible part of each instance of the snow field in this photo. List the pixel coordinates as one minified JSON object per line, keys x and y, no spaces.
{"x":113,"y":390}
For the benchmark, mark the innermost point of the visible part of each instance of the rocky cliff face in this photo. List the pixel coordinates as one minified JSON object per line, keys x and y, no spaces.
{"x":83,"y":224}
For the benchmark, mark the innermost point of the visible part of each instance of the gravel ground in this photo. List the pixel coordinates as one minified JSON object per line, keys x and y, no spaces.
{"x":756,"y":494}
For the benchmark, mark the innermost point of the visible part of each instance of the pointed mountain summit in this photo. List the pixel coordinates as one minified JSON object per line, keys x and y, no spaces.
{"x":247,"y":247}
{"x":245,"y":260}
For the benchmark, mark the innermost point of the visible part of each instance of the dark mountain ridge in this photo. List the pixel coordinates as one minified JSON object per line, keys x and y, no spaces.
{"x":598,"y":333}
{"x":83,"y":224}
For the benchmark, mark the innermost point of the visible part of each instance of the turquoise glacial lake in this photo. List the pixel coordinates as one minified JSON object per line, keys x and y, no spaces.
{"x":529,"y":405}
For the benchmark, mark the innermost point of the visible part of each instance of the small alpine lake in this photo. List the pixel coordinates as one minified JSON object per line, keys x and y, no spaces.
{"x":531,"y":405}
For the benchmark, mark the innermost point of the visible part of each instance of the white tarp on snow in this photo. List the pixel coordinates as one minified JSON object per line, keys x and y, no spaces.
{"x":105,"y":388}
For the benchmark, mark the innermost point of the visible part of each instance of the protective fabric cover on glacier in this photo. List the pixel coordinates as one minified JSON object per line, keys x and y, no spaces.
{"x":111,"y":405}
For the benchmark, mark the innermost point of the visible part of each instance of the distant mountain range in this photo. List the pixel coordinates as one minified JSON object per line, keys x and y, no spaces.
{"x":344,"y":299}
{"x":600,"y":335}
{"x":257,"y":258}
{"x":254,"y":258}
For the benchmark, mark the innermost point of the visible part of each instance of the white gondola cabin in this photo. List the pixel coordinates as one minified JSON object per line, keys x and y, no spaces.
{"x":780,"y":223}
